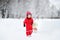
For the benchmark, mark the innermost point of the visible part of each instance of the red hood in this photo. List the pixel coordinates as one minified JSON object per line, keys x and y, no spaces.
{"x":28,"y":13}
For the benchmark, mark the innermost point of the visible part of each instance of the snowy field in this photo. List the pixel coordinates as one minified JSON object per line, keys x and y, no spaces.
{"x":12,"y":29}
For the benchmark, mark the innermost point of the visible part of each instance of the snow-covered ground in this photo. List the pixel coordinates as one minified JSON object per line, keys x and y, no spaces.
{"x":12,"y":29}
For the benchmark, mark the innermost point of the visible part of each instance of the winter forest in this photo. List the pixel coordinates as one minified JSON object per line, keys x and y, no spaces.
{"x":38,"y":8}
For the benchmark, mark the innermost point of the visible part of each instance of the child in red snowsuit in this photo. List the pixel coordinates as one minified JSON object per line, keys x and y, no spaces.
{"x":28,"y":22}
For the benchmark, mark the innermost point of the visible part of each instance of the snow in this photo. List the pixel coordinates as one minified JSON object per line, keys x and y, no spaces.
{"x":12,"y":29}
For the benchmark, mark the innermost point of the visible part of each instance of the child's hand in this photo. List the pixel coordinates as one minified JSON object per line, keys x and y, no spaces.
{"x":24,"y":25}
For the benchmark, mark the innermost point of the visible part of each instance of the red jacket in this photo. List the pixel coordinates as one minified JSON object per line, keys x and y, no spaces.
{"x":28,"y":23}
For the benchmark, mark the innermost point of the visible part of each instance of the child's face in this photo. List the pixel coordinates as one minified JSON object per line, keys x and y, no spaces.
{"x":29,"y":16}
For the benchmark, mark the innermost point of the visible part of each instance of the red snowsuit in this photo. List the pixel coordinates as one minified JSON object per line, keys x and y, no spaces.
{"x":28,"y":23}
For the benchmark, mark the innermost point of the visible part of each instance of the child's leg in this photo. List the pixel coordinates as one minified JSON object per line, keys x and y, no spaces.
{"x":27,"y":33}
{"x":30,"y":32}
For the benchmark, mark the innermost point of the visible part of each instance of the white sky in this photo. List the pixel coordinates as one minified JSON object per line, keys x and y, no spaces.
{"x":56,"y":3}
